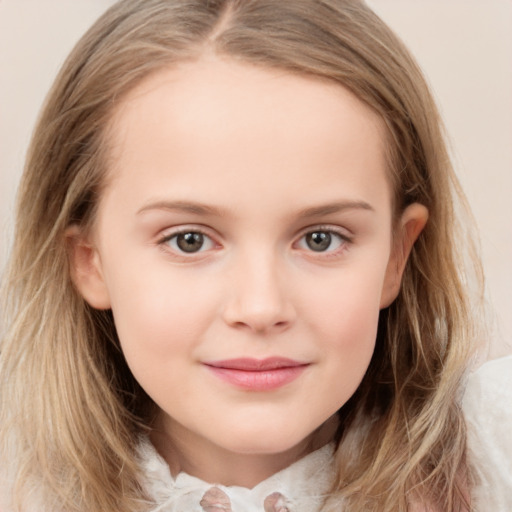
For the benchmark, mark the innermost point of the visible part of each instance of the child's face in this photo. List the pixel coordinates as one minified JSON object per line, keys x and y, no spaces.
{"x":247,"y":218}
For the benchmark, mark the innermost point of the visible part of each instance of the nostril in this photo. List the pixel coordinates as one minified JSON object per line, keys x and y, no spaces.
{"x":261,"y":326}
{"x":259,"y":305}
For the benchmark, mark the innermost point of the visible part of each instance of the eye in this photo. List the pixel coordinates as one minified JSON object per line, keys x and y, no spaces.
{"x":322,"y":241}
{"x":189,"y":242}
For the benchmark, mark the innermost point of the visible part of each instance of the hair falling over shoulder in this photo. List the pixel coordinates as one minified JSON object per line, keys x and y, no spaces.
{"x":70,"y":411}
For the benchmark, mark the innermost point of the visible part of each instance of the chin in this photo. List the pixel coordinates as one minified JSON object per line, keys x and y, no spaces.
{"x":265,"y":442}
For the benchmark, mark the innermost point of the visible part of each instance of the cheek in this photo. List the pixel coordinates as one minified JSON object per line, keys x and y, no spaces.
{"x":160,"y":320}
{"x":348,"y":353}
{"x":345,"y":318}
{"x":158,"y":313}
{"x":350,"y":337}
{"x":348,"y":304}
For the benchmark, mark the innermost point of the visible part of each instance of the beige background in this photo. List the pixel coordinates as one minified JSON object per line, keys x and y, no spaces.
{"x":464,"y":47}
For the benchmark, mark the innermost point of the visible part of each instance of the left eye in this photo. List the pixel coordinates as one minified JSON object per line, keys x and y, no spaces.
{"x":321,"y":241}
{"x":189,"y":242}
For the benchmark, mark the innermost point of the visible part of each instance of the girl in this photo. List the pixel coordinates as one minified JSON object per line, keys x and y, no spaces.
{"x":236,"y":280}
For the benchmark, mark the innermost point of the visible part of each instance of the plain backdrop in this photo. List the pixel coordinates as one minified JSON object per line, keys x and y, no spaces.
{"x":463,"y":46}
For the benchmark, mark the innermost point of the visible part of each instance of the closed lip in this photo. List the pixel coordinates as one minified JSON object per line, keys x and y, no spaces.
{"x":256,"y":365}
{"x":261,"y":375}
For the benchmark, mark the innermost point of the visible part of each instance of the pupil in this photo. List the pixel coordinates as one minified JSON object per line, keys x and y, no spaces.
{"x":190,"y":242}
{"x":318,"y":241}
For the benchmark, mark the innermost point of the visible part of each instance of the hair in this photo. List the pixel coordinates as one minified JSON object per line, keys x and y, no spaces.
{"x":71,"y":413}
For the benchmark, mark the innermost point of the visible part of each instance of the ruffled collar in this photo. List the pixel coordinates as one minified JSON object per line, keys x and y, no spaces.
{"x":300,"y":487}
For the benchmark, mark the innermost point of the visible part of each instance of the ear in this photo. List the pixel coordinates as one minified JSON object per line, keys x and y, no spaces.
{"x":86,"y":272}
{"x":411,"y":224}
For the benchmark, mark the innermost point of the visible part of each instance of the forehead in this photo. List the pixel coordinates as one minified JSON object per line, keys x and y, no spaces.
{"x":208,"y":77}
{"x":243,"y":123}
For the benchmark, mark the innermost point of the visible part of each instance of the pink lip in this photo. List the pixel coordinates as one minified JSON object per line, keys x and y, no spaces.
{"x":257,"y":374}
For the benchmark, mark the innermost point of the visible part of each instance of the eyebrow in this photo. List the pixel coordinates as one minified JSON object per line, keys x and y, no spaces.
{"x":204,"y":209}
{"x":184,"y":206}
{"x":336,"y":207}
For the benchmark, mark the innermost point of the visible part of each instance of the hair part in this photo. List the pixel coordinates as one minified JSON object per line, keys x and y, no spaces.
{"x":71,"y":413}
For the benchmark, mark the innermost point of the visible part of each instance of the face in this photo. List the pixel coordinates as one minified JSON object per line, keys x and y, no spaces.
{"x":244,"y":245}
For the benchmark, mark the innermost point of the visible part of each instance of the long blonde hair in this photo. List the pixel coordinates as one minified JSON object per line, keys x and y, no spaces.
{"x":71,"y":413}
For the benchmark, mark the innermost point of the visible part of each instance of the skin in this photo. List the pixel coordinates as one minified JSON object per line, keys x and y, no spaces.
{"x":254,"y":159}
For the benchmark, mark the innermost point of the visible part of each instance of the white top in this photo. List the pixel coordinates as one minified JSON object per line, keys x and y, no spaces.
{"x":487,"y":407}
{"x":300,"y":487}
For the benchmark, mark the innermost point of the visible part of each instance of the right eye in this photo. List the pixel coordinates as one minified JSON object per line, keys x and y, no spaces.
{"x":323,"y":241}
{"x":188,"y":242}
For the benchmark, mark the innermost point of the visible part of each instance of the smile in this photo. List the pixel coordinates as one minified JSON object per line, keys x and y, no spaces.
{"x":257,"y":374}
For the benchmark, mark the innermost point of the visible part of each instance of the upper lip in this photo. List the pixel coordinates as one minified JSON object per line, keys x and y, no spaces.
{"x":254,"y":365}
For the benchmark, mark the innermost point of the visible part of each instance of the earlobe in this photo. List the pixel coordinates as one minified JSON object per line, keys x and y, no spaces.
{"x":85,"y":267}
{"x":411,"y":224}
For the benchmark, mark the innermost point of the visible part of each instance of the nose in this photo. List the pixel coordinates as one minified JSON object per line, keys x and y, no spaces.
{"x":259,"y":298}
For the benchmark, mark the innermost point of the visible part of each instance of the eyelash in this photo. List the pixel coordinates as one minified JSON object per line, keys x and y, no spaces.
{"x":343,"y":241}
{"x":185,"y":231}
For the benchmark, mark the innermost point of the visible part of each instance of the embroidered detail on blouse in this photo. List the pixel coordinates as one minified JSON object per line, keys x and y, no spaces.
{"x":276,"y":502}
{"x":214,"y":500}
{"x":301,"y":487}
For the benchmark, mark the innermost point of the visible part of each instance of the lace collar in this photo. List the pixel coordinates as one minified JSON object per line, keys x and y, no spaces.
{"x":300,"y":487}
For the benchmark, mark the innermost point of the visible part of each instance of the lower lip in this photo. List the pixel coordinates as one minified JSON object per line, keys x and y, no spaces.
{"x":262,"y":380}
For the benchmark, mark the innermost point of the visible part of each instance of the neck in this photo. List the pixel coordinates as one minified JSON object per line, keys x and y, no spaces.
{"x":216,"y":465}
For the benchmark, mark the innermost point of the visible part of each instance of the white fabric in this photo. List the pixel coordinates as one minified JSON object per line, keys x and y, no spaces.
{"x":488,"y":410}
{"x":303,"y":485}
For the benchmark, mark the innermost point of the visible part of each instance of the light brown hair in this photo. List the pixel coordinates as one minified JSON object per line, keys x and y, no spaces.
{"x":71,"y":413}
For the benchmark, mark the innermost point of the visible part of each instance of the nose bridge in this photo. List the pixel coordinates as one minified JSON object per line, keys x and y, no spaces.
{"x":258,"y":297}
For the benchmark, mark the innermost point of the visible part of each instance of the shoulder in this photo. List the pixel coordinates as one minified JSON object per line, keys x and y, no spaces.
{"x":487,"y":408}
{"x":492,"y":378}
{"x":487,"y":402}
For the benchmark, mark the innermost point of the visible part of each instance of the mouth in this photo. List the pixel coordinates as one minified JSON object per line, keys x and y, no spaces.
{"x":257,"y":374}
